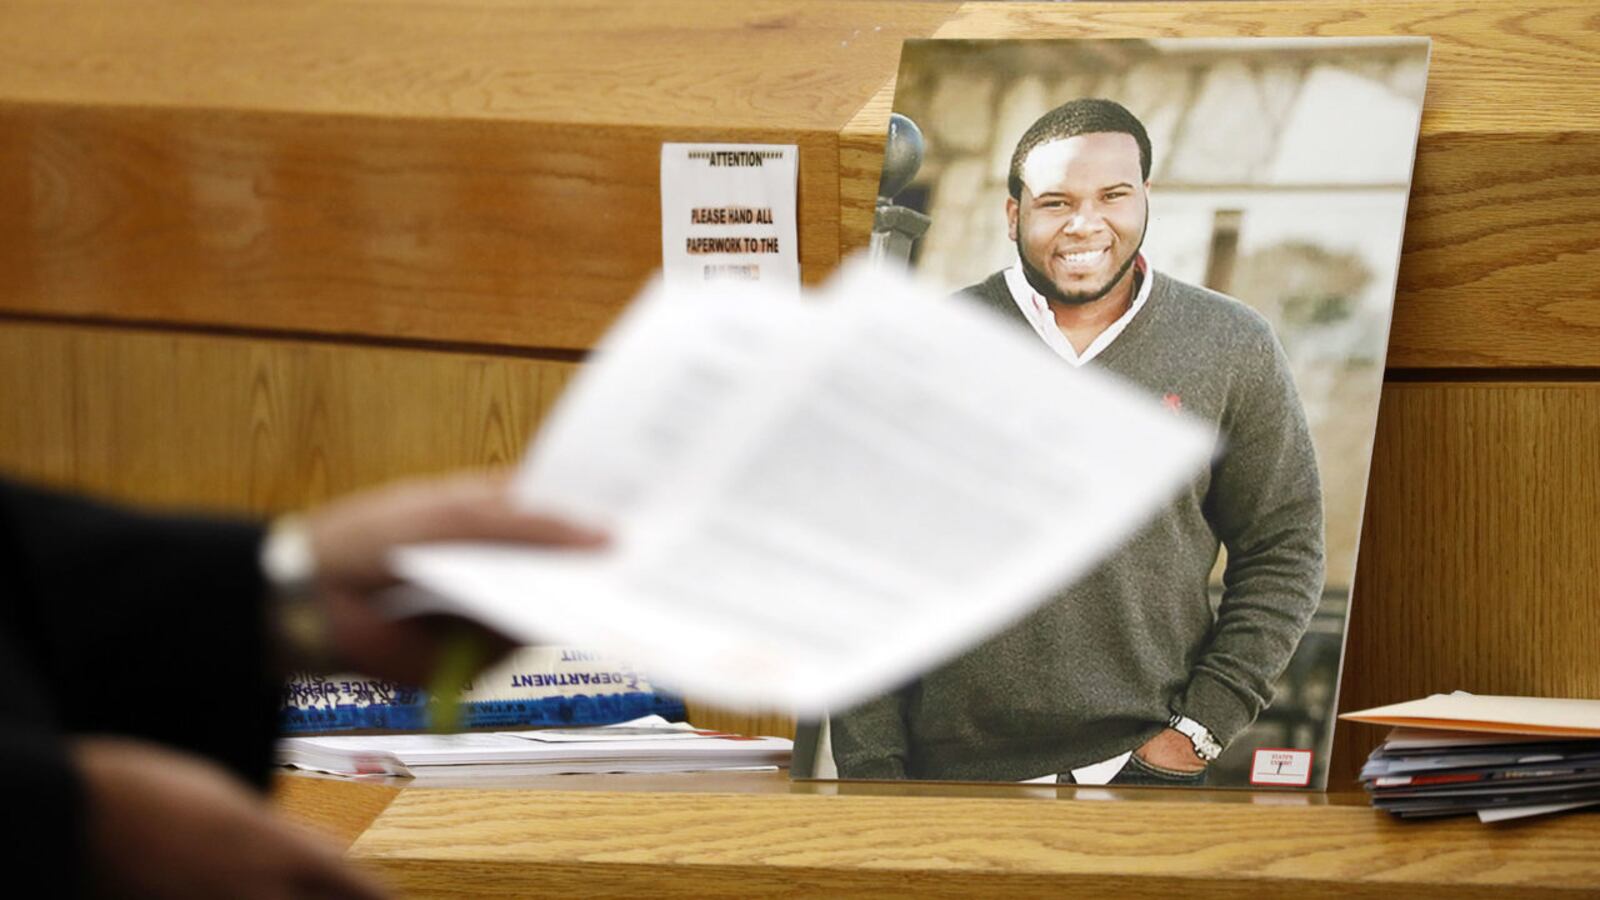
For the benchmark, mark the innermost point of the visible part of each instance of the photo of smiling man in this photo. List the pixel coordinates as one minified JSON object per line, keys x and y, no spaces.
{"x":1149,"y":669}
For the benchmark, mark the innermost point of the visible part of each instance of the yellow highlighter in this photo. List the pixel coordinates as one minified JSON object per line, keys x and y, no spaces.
{"x":462,"y":655}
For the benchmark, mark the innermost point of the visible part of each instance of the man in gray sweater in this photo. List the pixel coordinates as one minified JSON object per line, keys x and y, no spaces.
{"x":1129,"y":675}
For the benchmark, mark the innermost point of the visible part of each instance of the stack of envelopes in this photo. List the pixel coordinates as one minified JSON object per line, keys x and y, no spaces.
{"x":1497,"y":757}
{"x":1418,"y":772}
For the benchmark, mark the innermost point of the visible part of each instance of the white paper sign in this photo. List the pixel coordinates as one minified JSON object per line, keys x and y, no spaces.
{"x":811,"y":501}
{"x":1273,"y":765}
{"x":728,"y":214}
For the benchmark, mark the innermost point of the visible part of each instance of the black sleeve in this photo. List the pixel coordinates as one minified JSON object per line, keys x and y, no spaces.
{"x":115,"y":622}
{"x":38,"y":783}
{"x":141,"y":625}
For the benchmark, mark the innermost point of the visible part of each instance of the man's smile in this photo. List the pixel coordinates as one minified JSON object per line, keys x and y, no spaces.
{"x":1080,"y":262}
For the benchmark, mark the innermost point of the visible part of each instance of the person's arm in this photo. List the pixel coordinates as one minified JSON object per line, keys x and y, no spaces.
{"x":1265,"y":501}
{"x":347,"y":543}
{"x":166,"y":824}
{"x":134,"y":645}
{"x":151,"y":626}
{"x":104,"y":619}
{"x":40,"y":785}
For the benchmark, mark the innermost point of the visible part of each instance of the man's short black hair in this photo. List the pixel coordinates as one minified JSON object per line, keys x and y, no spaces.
{"x":1086,"y":115}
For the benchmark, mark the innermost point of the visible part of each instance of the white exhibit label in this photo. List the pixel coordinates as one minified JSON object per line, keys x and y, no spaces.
{"x":728,"y":213}
{"x":1273,"y":765}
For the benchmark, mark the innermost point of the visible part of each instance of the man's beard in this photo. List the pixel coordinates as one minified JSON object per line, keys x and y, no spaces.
{"x":1047,"y":289}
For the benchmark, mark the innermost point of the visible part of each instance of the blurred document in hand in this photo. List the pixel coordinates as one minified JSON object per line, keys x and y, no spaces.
{"x":812,"y":500}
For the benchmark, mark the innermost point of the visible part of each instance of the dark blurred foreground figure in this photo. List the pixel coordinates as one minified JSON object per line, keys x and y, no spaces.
{"x":140,"y":666}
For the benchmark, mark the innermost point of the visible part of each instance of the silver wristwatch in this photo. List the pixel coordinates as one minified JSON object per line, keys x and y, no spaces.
{"x":1205,"y":746}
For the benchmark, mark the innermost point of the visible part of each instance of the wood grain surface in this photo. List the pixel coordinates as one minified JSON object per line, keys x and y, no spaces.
{"x":337,"y":809}
{"x":775,"y":723}
{"x":509,"y":843}
{"x":689,"y":64}
{"x":505,"y":233}
{"x":1480,"y":554}
{"x":482,"y":173}
{"x":1544,"y":53}
{"x":487,"y":174}
{"x":252,"y":425}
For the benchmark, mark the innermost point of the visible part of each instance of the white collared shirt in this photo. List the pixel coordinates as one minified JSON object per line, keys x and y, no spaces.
{"x":1095,"y":773}
{"x":1036,"y":309}
{"x":1038,"y":313}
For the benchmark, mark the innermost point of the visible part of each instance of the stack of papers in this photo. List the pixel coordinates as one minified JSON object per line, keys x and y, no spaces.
{"x":651,"y":744}
{"x":1497,"y":757}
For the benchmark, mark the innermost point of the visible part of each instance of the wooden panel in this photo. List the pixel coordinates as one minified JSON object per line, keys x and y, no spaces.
{"x":686,"y":64}
{"x":252,"y":425}
{"x":1480,"y":554}
{"x":1502,"y":241}
{"x":341,"y":810}
{"x":1502,"y":233}
{"x":775,"y":724}
{"x":860,"y":165}
{"x":483,"y":174}
{"x":520,"y":843}
{"x":1544,"y":52}
{"x":505,"y":233}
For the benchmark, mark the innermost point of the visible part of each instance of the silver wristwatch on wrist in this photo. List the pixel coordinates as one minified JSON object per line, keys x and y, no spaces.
{"x":1205,"y":746}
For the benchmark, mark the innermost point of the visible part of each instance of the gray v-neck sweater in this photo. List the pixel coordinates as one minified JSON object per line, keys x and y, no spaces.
{"x":1099,"y":669}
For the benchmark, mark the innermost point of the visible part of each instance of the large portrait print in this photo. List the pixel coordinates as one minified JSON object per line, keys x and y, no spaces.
{"x":1218,"y":223}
